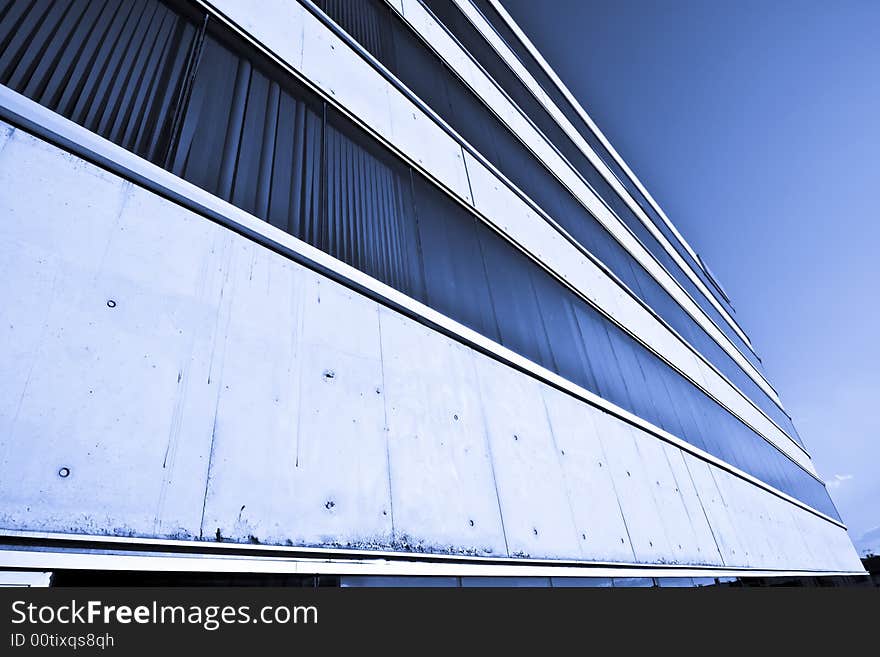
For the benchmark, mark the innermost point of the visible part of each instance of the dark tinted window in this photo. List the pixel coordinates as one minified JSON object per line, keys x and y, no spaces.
{"x":116,"y":68}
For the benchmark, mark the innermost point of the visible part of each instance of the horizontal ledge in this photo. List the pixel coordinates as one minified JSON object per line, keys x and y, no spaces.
{"x":49,"y":552}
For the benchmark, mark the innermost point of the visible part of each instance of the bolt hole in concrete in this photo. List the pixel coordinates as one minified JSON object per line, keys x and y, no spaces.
{"x":64,"y":473}
{"x":455,"y":417}
{"x":111,"y":303}
{"x":330,"y":504}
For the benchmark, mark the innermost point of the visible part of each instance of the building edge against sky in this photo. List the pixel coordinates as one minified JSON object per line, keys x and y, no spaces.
{"x":356,"y":289}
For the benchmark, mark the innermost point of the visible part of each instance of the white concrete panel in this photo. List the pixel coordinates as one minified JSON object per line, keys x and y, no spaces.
{"x":740,"y":498}
{"x":322,"y":478}
{"x":716,"y":512}
{"x":24,"y":312}
{"x":441,"y":473}
{"x":587,"y":478}
{"x":181,"y":314}
{"x":660,"y":479}
{"x":342,"y":463}
{"x":828,"y":545}
{"x":785,"y":532}
{"x":750,"y":513}
{"x":779,"y":528}
{"x":814,"y":552}
{"x":774,"y":520}
{"x":29,"y":178}
{"x":726,"y":499}
{"x":647,"y":533}
{"x":844,"y":554}
{"x":537,"y":513}
{"x":70,"y":411}
{"x":772,"y":524}
{"x":704,"y":541}
{"x":249,"y":495}
{"x":278,"y":24}
{"x":840,"y":549}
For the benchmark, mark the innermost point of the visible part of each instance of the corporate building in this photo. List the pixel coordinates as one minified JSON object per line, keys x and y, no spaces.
{"x":355,"y":292}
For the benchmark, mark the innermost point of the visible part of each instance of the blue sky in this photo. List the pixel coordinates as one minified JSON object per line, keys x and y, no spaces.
{"x":756,"y":126}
